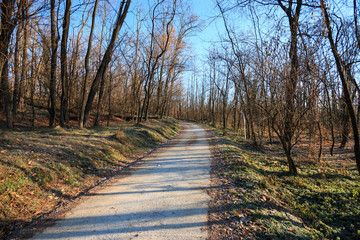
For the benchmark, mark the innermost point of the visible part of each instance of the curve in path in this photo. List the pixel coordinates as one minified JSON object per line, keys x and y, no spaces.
{"x":165,"y":198}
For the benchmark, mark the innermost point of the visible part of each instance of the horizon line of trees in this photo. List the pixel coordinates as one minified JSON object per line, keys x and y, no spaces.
{"x":294,"y":76}
{"x":80,"y":59}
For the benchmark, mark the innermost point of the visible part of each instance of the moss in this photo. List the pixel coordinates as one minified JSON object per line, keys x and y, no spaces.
{"x":324,"y":197}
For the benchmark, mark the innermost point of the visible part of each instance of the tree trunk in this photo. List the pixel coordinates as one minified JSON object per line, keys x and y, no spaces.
{"x":24,"y":65}
{"x":331,"y":120}
{"x":344,"y":120}
{"x":291,"y":84}
{"x":291,"y":164}
{"x":7,"y":24}
{"x":332,"y":140}
{"x":54,"y":46}
{"x":109,"y":99}
{"x":152,"y":62}
{"x":269,"y":132}
{"x":320,"y":141}
{"x":340,"y":65}
{"x":32,"y":89}
{"x":64,"y":70}
{"x":87,"y":57}
{"x":98,"y":111}
{"x":224,"y":116}
{"x":235,"y":112}
{"x":6,"y":91}
{"x":124,"y":6}
{"x":16,"y":72}
{"x":135,"y":84}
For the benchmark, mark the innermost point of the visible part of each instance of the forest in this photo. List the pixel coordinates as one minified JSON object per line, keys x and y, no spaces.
{"x":300,"y":76}
{"x":294,"y":73}
{"x":71,"y":59}
{"x":289,"y":77}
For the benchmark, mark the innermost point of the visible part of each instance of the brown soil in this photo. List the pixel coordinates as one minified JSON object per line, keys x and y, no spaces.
{"x":222,"y":224}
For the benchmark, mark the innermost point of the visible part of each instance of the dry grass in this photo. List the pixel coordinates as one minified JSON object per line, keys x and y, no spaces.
{"x":322,"y":202}
{"x":41,"y":167}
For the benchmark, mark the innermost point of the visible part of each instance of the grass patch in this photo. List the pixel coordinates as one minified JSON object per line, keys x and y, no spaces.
{"x":322,"y":202}
{"x":41,"y":167}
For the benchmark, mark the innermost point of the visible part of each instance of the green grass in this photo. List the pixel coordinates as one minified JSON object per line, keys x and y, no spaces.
{"x":41,"y":167}
{"x":322,"y":202}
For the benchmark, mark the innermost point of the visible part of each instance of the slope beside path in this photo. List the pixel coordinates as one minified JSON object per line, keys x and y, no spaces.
{"x":164,"y":198}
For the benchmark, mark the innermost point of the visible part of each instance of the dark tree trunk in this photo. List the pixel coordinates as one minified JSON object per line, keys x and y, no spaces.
{"x":345,"y":133}
{"x":54,"y":46}
{"x":224,"y":116}
{"x":320,"y":141}
{"x":124,"y":6}
{"x":291,"y":164}
{"x":292,"y":81}
{"x":87,"y":57}
{"x":98,"y":111}
{"x":64,"y":70}
{"x":5,"y":89}
{"x":152,"y":62}
{"x":269,"y":132}
{"x":344,"y":120}
{"x":341,"y":68}
{"x":109,"y":99}
{"x":235,"y":112}
{"x":8,"y":24}
{"x":24,"y":65}
{"x":331,"y":121}
{"x":16,"y":72}
{"x":32,"y":89}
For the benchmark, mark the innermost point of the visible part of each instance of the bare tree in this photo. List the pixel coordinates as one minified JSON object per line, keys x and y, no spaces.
{"x":19,"y":83}
{"x":86,"y":65}
{"x":345,"y":78}
{"x":158,"y":47}
{"x":64,"y":69}
{"x":52,"y":82}
{"x":24,"y":65}
{"x":9,"y":16}
{"x":123,"y":9}
{"x":16,"y":71}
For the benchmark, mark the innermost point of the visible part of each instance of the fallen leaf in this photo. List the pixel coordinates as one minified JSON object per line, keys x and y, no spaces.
{"x":238,"y":214}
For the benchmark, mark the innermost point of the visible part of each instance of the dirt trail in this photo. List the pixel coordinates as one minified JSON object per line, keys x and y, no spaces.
{"x":164,"y":198}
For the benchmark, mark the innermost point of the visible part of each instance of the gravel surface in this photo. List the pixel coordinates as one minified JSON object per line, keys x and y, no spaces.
{"x":164,"y":198}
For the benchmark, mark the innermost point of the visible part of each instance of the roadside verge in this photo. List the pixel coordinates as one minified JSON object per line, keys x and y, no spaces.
{"x":43,"y":170}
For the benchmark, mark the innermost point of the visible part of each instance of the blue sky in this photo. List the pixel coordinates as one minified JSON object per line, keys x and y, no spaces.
{"x":201,"y":41}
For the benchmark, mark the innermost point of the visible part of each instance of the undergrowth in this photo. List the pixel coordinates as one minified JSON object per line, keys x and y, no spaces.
{"x":41,"y":167}
{"x":322,"y":202}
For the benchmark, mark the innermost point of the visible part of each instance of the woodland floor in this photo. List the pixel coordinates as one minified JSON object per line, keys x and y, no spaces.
{"x":165,"y":197}
{"x":42,"y":169}
{"x":258,"y":199}
{"x":253,"y":196}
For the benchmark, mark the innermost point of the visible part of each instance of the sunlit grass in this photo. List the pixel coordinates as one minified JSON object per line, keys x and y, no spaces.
{"x":323,"y":201}
{"x":41,"y":167}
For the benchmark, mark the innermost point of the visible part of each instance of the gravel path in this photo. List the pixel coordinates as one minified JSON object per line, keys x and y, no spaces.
{"x":164,"y":198}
